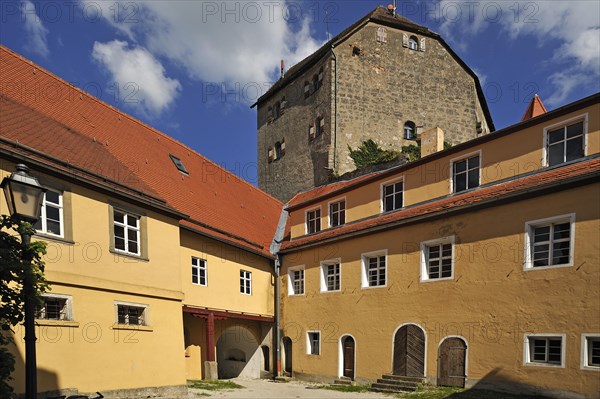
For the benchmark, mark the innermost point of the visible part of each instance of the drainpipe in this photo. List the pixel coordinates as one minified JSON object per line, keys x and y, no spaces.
{"x":335,"y":84}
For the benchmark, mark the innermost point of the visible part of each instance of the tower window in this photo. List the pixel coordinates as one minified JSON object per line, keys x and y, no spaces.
{"x":409,"y":130}
{"x":413,"y":43}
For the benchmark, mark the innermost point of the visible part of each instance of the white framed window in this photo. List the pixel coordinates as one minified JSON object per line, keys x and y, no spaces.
{"x":392,"y":195}
{"x":437,"y":259}
{"x":590,"y":352}
{"x":126,"y":232}
{"x":51,"y":220}
{"x":374,"y":269}
{"x":296,"y":280}
{"x":331,"y":275}
{"x":337,"y":213}
{"x":549,"y":242}
{"x":199,"y":272}
{"x":565,"y":141}
{"x":544,"y":350}
{"x":465,"y":172}
{"x":410,"y":130}
{"x":246,"y":282}
{"x":133,"y":314}
{"x":313,"y":220}
{"x":54,"y":307}
{"x":313,"y":342}
{"x":413,"y":43}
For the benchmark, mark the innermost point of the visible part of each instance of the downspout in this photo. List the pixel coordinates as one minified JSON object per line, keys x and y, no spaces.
{"x":335,"y":115}
{"x":274,"y":249}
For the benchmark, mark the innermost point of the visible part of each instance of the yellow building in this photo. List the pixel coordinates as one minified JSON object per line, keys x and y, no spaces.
{"x":159,"y":260}
{"x":473,"y":266}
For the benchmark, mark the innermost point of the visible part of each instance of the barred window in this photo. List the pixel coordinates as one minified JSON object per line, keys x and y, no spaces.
{"x":131,"y":315}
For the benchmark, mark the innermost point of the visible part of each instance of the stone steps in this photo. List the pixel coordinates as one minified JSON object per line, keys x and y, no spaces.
{"x":396,"y":383}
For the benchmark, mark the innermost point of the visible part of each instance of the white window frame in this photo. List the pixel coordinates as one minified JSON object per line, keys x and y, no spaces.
{"x":365,"y":265}
{"x":335,"y":201}
{"x":309,"y":343}
{"x":44,"y":217}
{"x":415,"y":41}
{"x":320,"y":219}
{"x":382,"y":193}
{"x":462,"y":158}
{"x":69,"y":316}
{"x":527,"y":350}
{"x":528,"y":257}
{"x":199,"y":269}
{"x":564,"y":123}
{"x":324,"y":266}
{"x":291,"y":270}
{"x":424,"y":277}
{"x":247,"y":277}
{"x":585,"y":352}
{"x":126,"y":227}
{"x":146,"y":313}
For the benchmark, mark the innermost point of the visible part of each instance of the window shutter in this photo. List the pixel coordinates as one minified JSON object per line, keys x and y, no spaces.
{"x":422,"y":45}
{"x":381,"y":35}
{"x":306,"y":90}
{"x":283,"y":105}
{"x":320,"y":77}
{"x":322,"y":123}
{"x":404,"y":40}
{"x":311,"y":132}
{"x":271,"y":154}
{"x":283,"y":147}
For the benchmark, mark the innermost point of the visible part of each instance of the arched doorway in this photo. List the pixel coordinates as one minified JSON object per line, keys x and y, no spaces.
{"x":287,"y":355}
{"x":238,"y":353}
{"x":266,"y":358}
{"x":452,"y":362}
{"x":409,"y":351}
{"x":348,"y":360}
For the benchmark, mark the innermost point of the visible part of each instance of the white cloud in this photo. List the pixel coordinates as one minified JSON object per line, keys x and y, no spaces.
{"x":224,"y":42}
{"x":139,"y":73}
{"x":574,"y":24}
{"x":37,"y":33}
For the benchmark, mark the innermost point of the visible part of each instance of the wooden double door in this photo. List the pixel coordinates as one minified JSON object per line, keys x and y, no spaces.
{"x":409,"y":351}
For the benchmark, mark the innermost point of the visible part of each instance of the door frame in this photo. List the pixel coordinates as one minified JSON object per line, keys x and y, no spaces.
{"x":341,"y":355}
{"x":437,"y":377}
{"x":424,"y":354}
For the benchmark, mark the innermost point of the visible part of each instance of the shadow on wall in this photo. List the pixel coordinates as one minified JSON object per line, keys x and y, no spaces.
{"x":496,"y":380}
{"x":238,"y":353}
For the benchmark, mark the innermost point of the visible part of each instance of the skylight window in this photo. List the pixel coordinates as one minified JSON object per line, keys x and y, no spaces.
{"x":179,"y":164}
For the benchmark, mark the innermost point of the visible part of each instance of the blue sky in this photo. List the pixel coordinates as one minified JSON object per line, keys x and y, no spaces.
{"x":193,"y":68}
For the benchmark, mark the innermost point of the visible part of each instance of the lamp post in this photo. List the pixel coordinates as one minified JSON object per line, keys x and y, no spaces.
{"x":24,"y":196}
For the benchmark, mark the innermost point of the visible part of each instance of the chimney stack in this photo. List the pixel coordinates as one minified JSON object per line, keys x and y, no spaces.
{"x":282,"y":69}
{"x":432,"y":141}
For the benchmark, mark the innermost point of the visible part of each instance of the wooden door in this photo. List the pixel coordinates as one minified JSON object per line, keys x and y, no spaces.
{"x":452,"y":363}
{"x":348,"y":347}
{"x":409,"y":351}
{"x":287,"y":353}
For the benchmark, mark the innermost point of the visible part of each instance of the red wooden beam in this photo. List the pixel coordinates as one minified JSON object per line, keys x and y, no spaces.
{"x":224,"y":314}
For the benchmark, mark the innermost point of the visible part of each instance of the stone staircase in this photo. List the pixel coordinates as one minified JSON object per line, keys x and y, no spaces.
{"x":343,"y":381}
{"x":396,"y":383}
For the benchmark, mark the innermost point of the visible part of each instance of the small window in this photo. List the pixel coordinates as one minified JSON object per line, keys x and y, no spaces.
{"x":306,"y":89}
{"x":544,"y":350}
{"x":276,"y":110}
{"x":409,"y":130}
{"x":199,"y":271}
{"x":313,"y":343}
{"x":549,"y":242}
{"x":591,"y":351}
{"x":313,"y":221}
{"x":51,"y":220}
{"x":320,"y":126}
{"x":54,"y":307}
{"x":278,"y":152}
{"x":413,"y":43}
{"x":331,"y":276}
{"x":132,"y":315}
{"x":296,"y":281}
{"x":437,"y":259}
{"x":374,"y":270}
{"x":245,"y":282}
{"x":315,"y":84}
{"x":337,"y":213}
{"x":565,"y":143}
{"x":179,"y":164}
{"x":126,"y":232}
{"x":465,"y":174}
{"x":392,"y":196}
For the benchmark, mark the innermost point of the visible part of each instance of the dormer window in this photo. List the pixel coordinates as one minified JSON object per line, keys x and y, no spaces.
{"x":409,"y":130}
{"x":413,"y":43}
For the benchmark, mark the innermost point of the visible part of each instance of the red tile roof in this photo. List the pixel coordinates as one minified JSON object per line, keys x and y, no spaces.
{"x":535,"y":108}
{"x":479,"y":196}
{"x":42,"y":111}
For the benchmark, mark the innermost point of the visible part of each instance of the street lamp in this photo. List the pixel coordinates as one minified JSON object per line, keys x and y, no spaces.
{"x":24,"y":196}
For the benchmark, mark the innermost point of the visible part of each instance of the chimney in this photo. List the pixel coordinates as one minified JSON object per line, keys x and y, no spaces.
{"x":282,"y":69}
{"x":432,"y":141}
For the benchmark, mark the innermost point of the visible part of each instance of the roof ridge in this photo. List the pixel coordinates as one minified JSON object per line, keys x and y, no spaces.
{"x":124,"y":114}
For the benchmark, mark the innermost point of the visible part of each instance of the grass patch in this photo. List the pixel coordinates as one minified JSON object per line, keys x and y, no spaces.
{"x":214,"y":385}
{"x":427,"y":392}
{"x":346,"y":388}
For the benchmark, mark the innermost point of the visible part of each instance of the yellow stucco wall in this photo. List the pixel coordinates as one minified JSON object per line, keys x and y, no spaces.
{"x":491,"y":301}
{"x":90,"y":353}
{"x":514,"y":154}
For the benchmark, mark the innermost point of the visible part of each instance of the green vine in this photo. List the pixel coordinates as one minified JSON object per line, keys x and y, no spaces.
{"x":369,"y":153}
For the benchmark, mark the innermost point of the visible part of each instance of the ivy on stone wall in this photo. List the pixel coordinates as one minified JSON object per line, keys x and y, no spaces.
{"x":369,"y":153}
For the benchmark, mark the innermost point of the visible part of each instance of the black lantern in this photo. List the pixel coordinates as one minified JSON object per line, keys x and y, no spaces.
{"x":24,"y":195}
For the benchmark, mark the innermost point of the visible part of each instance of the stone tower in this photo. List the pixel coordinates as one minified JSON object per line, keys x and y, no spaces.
{"x":384,"y":78}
